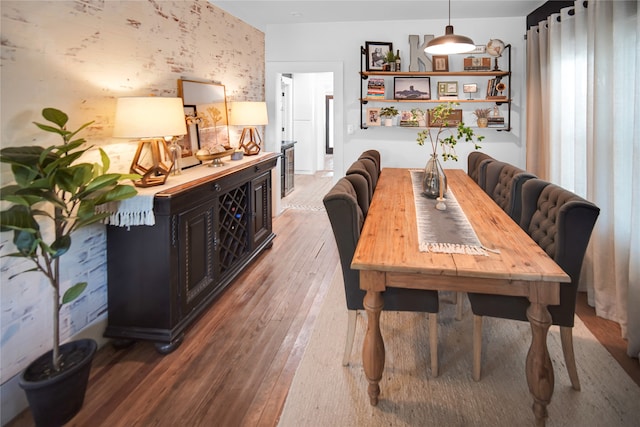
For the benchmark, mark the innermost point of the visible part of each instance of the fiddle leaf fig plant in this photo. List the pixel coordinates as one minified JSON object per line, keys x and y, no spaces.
{"x":444,"y":136}
{"x":52,"y":189}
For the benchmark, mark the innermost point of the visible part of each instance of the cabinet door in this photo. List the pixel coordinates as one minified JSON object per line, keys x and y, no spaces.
{"x":261,"y":206}
{"x":196,"y":253}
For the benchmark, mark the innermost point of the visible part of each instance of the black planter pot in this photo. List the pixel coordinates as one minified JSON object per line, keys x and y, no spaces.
{"x":55,"y":400}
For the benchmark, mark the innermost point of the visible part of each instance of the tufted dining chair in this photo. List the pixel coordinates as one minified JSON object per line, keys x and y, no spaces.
{"x":346,"y":217}
{"x":560,"y":222}
{"x":360,"y":168}
{"x":504,"y":184}
{"x":373,"y":155}
{"x":477,"y":162}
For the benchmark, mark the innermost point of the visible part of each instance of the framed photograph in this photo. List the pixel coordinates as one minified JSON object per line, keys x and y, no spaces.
{"x":376,"y":52}
{"x":447,"y":88}
{"x":189,"y":142}
{"x":440,"y":62}
{"x":454,"y":119}
{"x":373,"y":117}
{"x":418,"y":88}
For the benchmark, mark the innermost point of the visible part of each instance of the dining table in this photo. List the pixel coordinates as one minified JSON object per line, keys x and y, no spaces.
{"x":508,"y":262}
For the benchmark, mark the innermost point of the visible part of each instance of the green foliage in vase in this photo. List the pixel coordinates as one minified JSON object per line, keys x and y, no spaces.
{"x":50,"y":187}
{"x":389,"y":112}
{"x":444,"y":136}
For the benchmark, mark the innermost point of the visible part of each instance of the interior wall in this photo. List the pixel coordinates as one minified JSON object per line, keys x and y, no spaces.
{"x":308,"y":44}
{"x":80,"y":56}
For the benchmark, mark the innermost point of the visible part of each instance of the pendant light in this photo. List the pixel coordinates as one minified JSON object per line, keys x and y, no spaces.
{"x":449,"y":43}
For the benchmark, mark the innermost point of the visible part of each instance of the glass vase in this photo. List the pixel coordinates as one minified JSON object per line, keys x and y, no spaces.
{"x":434,"y":181}
{"x":176,"y":157}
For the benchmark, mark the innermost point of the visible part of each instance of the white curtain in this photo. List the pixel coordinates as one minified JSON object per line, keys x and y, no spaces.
{"x":583,"y":133}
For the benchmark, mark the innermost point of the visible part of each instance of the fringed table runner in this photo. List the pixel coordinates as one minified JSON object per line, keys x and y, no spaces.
{"x":138,"y":210}
{"x":447,"y":231}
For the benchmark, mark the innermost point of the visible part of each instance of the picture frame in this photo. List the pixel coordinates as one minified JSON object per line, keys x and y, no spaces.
{"x":454,"y":119}
{"x":440,"y":62}
{"x":190,"y":142}
{"x":376,"y":52}
{"x":373,"y":117}
{"x":412,"y":88}
{"x":470,"y":87}
{"x":447,"y":89}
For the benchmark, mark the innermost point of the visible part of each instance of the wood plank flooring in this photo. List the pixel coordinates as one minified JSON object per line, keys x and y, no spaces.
{"x":238,"y":360}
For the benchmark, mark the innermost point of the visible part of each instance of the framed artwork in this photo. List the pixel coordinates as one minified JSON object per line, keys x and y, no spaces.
{"x":418,"y":88}
{"x":470,"y":88}
{"x":440,"y":62}
{"x":454,"y":119}
{"x":447,"y":88}
{"x":210,"y":103}
{"x":189,"y":142}
{"x":373,"y":117}
{"x":376,"y":51}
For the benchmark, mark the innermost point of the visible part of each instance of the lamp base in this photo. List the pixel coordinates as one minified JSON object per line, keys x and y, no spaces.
{"x":252,"y":146}
{"x":152,"y":161}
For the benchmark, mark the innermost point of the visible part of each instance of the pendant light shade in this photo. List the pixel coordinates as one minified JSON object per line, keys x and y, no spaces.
{"x":450,"y":43}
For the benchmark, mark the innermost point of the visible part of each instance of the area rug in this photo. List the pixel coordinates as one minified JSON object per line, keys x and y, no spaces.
{"x":308,"y":192}
{"x":324,"y":393}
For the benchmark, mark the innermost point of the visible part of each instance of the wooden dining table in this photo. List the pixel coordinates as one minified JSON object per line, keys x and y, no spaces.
{"x":388,"y":255}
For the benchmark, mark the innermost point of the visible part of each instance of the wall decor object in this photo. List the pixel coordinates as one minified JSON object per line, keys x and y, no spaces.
{"x":480,"y":48}
{"x":376,"y":52}
{"x":189,"y":142}
{"x":373,"y":117}
{"x":440,"y":62}
{"x":418,"y":88}
{"x":473,"y":63}
{"x":210,"y":103}
{"x":447,"y":89}
{"x":470,"y":88}
{"x":454,"y":119}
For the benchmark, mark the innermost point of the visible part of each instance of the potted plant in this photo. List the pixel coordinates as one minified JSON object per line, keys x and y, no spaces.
{"x":434,"y":183}
{"x":390,"y":61}
{"x":388,"y":113}
{"x":482,"y":115}
{"x":51,"y":198}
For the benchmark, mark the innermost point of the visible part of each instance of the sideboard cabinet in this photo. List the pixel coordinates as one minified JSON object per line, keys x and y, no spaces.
{"x":206,"y":232}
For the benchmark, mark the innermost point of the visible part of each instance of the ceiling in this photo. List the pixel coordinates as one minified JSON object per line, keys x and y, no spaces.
{"x":261,"y":13}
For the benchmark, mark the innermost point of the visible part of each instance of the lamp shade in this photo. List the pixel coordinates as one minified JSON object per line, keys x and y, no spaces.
{"x":450,"y":43}
{"x":149,"y":117}
{"x":248,"y":113}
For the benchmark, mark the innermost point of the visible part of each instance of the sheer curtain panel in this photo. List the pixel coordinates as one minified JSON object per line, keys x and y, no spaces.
{"x":583,"y":127}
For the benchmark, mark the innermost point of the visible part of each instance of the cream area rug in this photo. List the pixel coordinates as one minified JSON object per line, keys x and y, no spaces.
{"x":324,"y":393}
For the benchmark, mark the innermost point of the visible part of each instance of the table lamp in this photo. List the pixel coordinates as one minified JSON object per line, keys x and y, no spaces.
{"x":154,"y":120}
{"x":249,"y":114}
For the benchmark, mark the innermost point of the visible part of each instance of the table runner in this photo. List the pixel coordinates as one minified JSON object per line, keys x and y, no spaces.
{"x":447,"y":231}
{"x":138,"y":210}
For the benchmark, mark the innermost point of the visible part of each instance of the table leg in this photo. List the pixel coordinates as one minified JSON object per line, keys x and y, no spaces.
{"x":539,"y":368}
{"x":373,"y":348}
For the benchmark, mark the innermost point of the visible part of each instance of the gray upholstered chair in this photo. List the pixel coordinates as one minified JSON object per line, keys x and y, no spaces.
{"x":560,"y":222}
{"x":372,"y":169}
{"x":373,"y":155}
{"x":346,"y":217}
{"x":504,"y":185}
{"x":477,"y":162}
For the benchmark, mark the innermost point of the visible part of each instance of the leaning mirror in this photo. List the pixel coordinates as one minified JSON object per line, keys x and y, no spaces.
{"x":205,"y":108}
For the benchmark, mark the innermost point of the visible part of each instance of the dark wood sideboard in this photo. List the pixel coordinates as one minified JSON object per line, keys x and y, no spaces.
{"x":206,"y":232}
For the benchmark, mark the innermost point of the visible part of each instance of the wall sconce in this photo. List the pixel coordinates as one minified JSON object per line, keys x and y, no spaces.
{"x":155,"y":120}
{"x":249,"y":114}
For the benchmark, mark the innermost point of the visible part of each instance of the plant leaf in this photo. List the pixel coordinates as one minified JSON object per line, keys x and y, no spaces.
{"x":74,"y":292}
{"x":55,"y":116}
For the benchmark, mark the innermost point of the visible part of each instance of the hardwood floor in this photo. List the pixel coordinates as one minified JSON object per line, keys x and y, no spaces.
{"x":238,"y":360}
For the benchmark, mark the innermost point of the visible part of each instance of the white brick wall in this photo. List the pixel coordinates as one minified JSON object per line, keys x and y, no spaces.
{"x":80,"y":56}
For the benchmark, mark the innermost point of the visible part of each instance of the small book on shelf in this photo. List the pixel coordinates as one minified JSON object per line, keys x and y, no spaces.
{"x":375,"y":88}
